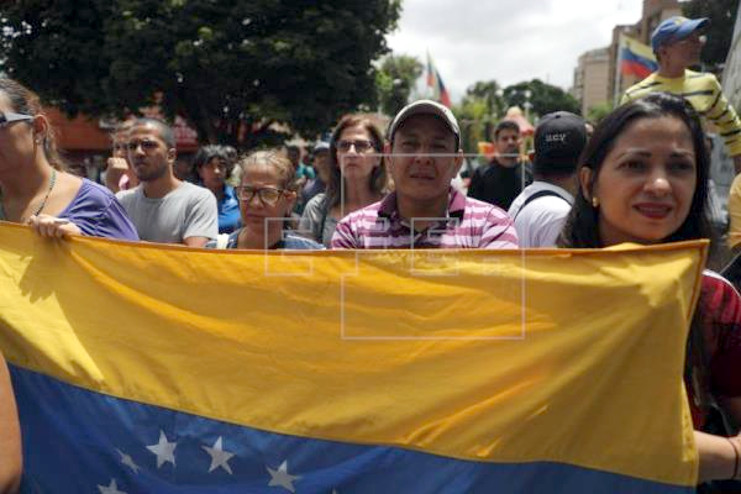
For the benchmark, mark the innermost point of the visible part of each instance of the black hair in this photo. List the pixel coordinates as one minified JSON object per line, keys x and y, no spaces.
{"x":206,"y":153}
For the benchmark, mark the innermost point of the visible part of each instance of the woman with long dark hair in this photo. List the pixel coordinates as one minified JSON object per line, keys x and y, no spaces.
{"x":643,"y":179}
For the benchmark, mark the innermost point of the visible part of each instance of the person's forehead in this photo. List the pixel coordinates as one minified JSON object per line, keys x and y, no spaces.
{"x":144,"y":130}
{"x":425,"y":125}
{"x":354,"y":130}
{"x":508,"y":133}
{"x":260,"y":172}
{"x":653,"y":131}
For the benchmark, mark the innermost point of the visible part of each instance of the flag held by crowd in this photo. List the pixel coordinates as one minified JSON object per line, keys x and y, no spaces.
{"x":635,"y":58}
{"x":153,"y":368}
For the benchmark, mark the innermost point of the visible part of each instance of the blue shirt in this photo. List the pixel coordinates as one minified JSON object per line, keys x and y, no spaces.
{"x":97,"y":213}
{"x":229,"y":217}
{"x":290,"y":242}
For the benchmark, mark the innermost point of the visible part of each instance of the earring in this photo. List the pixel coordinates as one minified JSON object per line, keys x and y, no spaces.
{"x":595,"y":202}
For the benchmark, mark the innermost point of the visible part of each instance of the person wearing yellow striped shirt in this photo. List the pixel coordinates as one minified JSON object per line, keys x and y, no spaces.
{"x":677,"y":43}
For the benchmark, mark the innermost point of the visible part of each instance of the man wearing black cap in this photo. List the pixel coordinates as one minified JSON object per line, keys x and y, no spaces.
{"x":677,"y":43}
{"x":541,"y":209}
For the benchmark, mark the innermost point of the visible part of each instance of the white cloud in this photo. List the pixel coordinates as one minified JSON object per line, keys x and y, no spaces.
{"x":508,"y":40}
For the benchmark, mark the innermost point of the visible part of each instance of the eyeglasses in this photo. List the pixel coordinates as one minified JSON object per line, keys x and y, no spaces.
{"x":146,"y":145}
{"x":7,"y":118}
{"x":269,"y":196}
{"x":361,"y":145}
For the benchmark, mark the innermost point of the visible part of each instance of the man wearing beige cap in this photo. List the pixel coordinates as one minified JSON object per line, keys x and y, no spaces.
{"x":425,"y":211}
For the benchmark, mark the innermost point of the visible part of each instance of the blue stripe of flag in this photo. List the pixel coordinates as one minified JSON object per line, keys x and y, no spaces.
{"x":81,"y":441}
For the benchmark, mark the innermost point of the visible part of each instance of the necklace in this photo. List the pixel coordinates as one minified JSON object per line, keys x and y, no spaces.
{"x":52,"y":181}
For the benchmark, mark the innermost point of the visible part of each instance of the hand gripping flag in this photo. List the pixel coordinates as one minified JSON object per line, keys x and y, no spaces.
{"x":152,"y":368}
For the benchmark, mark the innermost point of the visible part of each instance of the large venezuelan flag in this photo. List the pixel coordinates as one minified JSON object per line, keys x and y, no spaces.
{"x":148,"y":368}
{"x":636,"y":58}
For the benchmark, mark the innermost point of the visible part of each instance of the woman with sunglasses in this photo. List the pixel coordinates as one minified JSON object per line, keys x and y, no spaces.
{"x":643,"y":179}
{"x":357,"y":177}
{"x":267,"y":194}
{"x":35,"y":190}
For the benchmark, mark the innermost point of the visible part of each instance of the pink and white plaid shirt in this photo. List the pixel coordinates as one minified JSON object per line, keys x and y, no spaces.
{"x":469,"y":224}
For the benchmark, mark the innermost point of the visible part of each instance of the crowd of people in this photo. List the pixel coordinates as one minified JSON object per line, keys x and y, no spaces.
{"x":641,"y":177}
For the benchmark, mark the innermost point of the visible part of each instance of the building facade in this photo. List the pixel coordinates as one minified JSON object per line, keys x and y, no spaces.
{"x":591,"y":85}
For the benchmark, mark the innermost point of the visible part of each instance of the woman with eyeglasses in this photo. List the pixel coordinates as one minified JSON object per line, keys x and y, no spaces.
{"x":34,"y":189}
{"x":267,"y":194}
{"x":357,"y":177}
{"x":644,"y":179}
{"x":211,"y":163}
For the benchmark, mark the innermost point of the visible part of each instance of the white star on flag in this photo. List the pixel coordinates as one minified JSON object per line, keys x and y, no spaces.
{"x":281,"y":477}
{"x":219,"y":457}
{"x":164,"y":450}
{"x":128,"y":461}
{"x":111,"y":488}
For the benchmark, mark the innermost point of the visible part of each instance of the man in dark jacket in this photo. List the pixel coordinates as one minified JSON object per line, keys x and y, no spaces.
{"x":500,"y":181}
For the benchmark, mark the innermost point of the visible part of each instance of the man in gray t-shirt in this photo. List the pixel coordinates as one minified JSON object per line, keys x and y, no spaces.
{"x":163,"y":208}
{"x":182,"y":214}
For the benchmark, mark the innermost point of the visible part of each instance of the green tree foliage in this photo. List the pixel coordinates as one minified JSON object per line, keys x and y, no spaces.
{"x":230,"y":67}
{"x":395,"y":80}
{"x":474,"y":120}
{"x":481,"y":107}
{"x":491,"y":93}
{"x":722,"y":14}
{"x":544,"y":98}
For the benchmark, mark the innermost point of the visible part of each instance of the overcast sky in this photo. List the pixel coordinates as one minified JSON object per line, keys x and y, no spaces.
{"x":509,"y":41}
